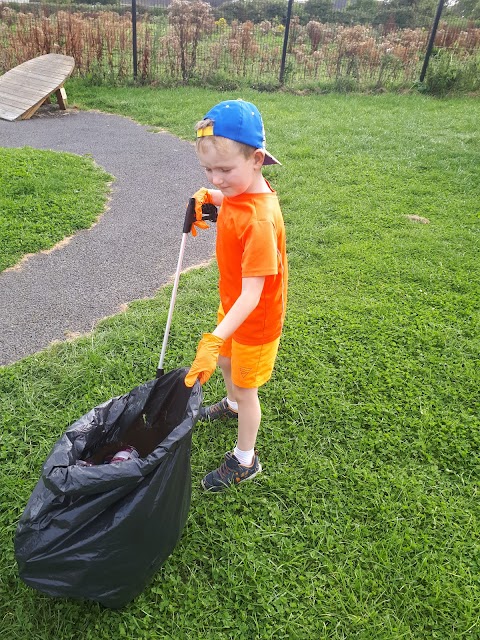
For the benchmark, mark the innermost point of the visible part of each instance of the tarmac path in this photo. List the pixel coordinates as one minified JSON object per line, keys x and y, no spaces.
{"x":129,"y":254}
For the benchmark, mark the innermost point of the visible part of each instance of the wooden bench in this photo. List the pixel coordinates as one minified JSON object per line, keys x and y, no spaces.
{"x":25,"y":88}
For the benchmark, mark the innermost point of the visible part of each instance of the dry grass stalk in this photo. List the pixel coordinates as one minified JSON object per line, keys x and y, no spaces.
{"x":193,"y":44}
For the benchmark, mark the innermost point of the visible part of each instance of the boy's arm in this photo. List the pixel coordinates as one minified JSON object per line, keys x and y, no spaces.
{"x":210,"y":196}
{"x":217,"y":197}
{"x":209,"y":346}
{"x":244,"y":305}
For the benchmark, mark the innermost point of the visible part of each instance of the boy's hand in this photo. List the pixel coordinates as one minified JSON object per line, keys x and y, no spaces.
{"x":206,"y":359}
{"x":202,"y":196}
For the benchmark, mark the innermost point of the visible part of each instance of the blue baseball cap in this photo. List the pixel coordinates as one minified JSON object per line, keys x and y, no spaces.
{"x":240,"y":121}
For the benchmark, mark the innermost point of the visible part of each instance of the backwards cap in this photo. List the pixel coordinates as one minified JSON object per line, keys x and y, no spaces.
{"x":240,"y":121}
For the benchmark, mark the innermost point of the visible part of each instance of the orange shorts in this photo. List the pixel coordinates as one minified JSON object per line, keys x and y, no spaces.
{"x":252,"y":365}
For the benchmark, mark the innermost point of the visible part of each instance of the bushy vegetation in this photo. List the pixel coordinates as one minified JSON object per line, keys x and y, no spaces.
{"x":394,"y":13}
{"x":189,"y":44}
{"x":446,"y":74}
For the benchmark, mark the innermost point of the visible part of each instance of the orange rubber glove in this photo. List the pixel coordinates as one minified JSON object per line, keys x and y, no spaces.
{"x":206,"y":359}
{"x":202,"y":196}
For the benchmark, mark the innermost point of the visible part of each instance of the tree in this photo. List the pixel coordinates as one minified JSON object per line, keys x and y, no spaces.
{"x":253,"y":10}
{"x":468,"y":9}
{"x":407,"y":13}
{"x":362,"y":11}
{"x":321,"y":10}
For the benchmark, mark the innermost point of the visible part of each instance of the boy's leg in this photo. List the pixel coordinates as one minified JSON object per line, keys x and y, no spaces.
{"x":249,"y":417}
{"x":249,"y":368}
{"x":243,"y":463}
{"x":224,"y":408}
{"x":225,"y":364}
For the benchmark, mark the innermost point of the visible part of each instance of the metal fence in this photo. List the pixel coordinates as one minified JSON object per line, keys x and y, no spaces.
{"x":238,"y":43}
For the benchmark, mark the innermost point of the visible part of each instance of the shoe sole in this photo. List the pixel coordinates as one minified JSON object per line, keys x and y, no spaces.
{"x":205,"y":418}
{"x":227,"y":486}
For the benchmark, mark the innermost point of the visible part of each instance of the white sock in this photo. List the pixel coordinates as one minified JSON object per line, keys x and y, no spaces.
{"x":245,"y":458}
{"x":233,"y":405}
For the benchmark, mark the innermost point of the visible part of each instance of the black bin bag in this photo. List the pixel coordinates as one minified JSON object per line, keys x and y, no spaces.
{"x":101,"y":532}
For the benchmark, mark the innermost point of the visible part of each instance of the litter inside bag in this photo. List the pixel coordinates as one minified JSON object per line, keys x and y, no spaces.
{"x":100,"y":532}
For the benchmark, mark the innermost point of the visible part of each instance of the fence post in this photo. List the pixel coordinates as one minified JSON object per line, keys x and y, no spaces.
{"x":285,"y":42}
{"x":431,"y":39}
{"x":134,"y":38}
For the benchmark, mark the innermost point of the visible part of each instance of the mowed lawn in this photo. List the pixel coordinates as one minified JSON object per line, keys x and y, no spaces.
{"x":365,"y":522}
{"x":45,"y":197}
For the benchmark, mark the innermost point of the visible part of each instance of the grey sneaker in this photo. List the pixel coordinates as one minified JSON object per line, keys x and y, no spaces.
{"x":218,"y":410}
{"x":230,"y":472}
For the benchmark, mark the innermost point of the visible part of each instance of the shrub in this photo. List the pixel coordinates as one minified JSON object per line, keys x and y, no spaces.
{"x":447,"y":74}
{"x":189,"y":21}
{"x":254,"y":10}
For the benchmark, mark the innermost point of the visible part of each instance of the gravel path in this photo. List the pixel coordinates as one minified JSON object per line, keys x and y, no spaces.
{"x":129,"y":254}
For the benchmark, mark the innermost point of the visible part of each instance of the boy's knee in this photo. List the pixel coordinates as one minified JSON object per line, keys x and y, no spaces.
{"x":224,"y":363}
{"x":245,"y":394}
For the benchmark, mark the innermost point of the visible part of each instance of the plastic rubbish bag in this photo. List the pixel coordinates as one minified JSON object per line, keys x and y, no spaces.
{"x":100,"y":532}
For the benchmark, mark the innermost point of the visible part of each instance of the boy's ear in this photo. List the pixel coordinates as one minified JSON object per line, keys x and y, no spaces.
{"x":259,"y":157}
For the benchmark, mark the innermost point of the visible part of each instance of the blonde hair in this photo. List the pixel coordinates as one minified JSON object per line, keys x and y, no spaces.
{"x":220,"y":143}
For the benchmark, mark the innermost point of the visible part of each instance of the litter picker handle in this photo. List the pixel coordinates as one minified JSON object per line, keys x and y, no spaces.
{"x":209,"y":212}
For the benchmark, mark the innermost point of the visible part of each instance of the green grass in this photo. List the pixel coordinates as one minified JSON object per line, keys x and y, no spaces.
{"x":44,"y":197}
{"x":365,"y":523}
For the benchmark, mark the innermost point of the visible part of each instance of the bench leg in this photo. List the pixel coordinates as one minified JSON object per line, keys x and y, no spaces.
{"x":61,"y":98}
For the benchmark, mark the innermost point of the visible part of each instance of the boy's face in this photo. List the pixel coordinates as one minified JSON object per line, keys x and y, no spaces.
{"x":228,"y":170}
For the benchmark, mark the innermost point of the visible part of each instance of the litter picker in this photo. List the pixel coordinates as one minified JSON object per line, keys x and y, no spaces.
{"x":209,"y":212}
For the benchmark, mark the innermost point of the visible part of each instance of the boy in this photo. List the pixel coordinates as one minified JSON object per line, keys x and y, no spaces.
{"x":252,"y":263}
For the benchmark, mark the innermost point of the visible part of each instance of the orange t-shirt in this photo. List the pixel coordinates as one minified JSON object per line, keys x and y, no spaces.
{"x":251,"y":242}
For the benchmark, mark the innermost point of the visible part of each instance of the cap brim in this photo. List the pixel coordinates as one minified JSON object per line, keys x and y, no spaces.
{"x":269,"y":159}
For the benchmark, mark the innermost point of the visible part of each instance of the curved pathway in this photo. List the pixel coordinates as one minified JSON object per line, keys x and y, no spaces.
{"x":127,"y":255}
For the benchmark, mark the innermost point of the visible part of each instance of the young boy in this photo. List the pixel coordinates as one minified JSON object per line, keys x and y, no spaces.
{"x":252,"y":263}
